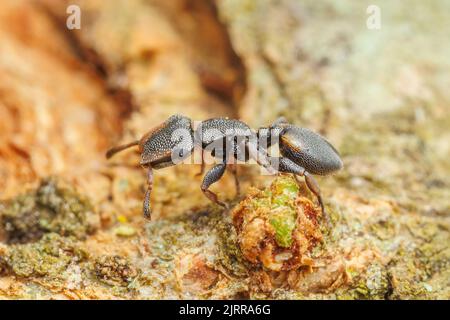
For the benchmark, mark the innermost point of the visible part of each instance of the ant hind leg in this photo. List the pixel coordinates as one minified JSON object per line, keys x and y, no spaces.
{"x":314,"y":188}
{"x":288,"y":166}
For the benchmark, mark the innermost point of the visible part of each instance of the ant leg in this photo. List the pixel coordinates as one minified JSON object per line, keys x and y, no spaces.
{"x":314,"y":188}
{"x":288,"y":166}
{"x":202,"y":169}
{"x":212,"y":176}
{"x":233,"y":169}
{"x":147,"y":209}
{"x":260,"y":157}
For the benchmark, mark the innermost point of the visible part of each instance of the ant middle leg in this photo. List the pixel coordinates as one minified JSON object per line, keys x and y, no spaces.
{"x":211,"y":177}
{"x":202,"y":168}
{"x":233,"y":168}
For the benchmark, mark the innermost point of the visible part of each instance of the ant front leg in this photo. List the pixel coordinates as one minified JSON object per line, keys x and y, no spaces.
{"x":288,"y":166}
{"x":147,"y":209}
{"x":211,"y":177}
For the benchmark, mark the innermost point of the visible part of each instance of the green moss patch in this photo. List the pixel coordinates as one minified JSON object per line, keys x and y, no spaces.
{"x":282,"y":213}
{"x":50,"y":208}
{"x":50,"y":256}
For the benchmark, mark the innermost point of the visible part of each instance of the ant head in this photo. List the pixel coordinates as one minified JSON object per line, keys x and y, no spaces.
{"x":169,"y":143}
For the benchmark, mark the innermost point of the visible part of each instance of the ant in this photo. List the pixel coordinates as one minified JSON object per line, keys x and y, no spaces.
{"x":303,"y":152}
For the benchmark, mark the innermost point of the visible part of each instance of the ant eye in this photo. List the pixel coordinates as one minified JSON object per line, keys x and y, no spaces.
{"x":181,"y":153}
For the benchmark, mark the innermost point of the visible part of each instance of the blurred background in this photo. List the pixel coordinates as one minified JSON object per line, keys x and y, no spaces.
{"x":375,"y":83}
